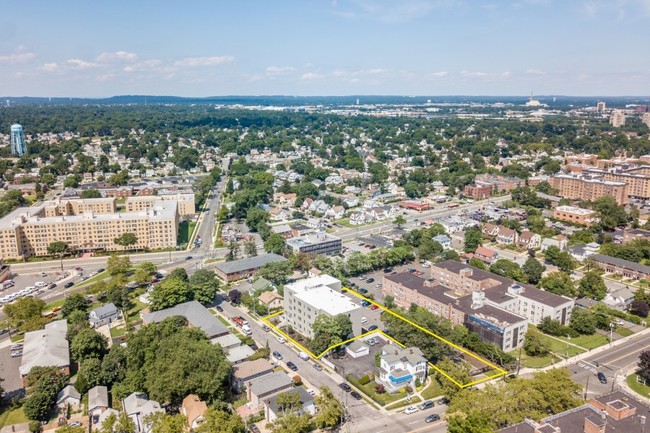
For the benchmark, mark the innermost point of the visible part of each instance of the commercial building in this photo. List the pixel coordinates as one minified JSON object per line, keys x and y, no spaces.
{"x":47,"y":347}
{"x":478,"y":192}
{"x":28,"y":231}
{"x":197,"y":317}
{"x":625,"y":268}
{"x":418,"y":205}
{"x":306,"y":299}
{"x":315,"y":244}
{"x":574,"y":214}
{"x":615,"y":412}
{"x":245,"y":268}
{"x":527,"y":301}
{"x":581,"y":187}
{"x":186,"y":204}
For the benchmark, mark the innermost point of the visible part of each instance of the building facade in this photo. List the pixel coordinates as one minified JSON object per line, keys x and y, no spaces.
{"x":315,"y":244}
{"x":579,"y":187}
{"x":185,"y":202}
{"x":574,"y":214}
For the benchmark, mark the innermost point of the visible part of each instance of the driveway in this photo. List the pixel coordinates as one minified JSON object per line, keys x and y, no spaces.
{"x":9,"y":372}
{"x":362,"y":365}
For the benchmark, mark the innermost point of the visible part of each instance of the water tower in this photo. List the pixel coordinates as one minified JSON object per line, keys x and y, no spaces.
{"x":18,"y":144}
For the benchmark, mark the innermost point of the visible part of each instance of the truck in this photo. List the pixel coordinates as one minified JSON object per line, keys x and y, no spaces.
{"x":240,"y":321}
{"x":246,"y":330}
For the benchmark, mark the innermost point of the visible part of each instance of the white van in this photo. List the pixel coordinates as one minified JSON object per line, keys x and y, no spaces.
{"x":303,"y":356}
{"x":246,"y":329}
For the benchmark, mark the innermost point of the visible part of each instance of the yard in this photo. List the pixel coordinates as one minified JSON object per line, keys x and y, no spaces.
{"x":638,"y":387}
{"x":431,"y":391}
{"x":588,"y":341}
{"x":15,"y":416}
{"x":185,"y":230}
{"x":369,"y":389}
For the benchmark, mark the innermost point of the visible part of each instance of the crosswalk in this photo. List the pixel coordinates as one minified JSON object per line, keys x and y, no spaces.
{"x":588,"y":366}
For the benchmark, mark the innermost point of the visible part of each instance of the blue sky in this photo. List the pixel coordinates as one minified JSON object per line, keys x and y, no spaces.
{"x":324,"y":47}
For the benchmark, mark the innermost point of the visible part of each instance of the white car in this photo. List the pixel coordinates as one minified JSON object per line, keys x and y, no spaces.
{"x":311,"y":392}
{"x":364,"y":320}
{"x":281,"y":340}
{"x":411,"y":409}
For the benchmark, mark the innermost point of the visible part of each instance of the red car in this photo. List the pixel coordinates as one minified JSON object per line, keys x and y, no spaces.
{"x":374,"y":307}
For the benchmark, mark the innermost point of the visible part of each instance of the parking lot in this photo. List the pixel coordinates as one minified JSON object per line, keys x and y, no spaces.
{"x":374,"y":287}
{"x":9,"y":372}
{"x":362,"y":365}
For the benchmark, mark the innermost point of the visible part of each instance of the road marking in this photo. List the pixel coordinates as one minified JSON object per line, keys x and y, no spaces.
{"x":414,"y":422}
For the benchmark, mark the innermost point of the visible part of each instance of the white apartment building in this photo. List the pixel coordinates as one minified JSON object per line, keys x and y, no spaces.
{"x":142,"y":203}
{"x":306,"y":299}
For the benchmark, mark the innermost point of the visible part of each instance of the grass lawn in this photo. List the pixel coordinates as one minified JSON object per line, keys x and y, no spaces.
{"x":224,"y":321}
{"x":57,"y":303}
{"x":118,"y":332}
{"x":99,"y":277}
{"x":588,"y":341}
{"x":534,"y":361}
{"x":15,"y":416}
{"x":623,"y":331}
{"x":133,"y":314}
{"x":185,"y":229}
{"x":431,"y":391}
{"x":369,"y":390}
{"x":414,"y":400}
{"x":638,"y":387}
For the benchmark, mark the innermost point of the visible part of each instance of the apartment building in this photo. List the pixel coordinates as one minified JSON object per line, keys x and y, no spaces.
{"x":63,"y":207}
{"x":306,"y":299}
{"x":637,"y":178}
{"x":625,"y":268}
{"x":478,"y":192}
{"x":315,"y":244}
{"x":617,"y":118}
{"x":27,"y":232}
{"x":580,"y":187}
{"x":491,"y":322}
{"x":142,"y":203}
{"x":530,"y":302}
{"x":574,"y":214}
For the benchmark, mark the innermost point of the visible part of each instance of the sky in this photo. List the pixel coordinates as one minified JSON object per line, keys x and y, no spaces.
{"x":203,"y":48}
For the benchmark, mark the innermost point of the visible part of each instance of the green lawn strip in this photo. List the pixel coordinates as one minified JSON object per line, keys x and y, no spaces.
{"x":118,"y":331}
{"x":99,"y":277}
{"x":414,"y":400}
{"x":369,"y":390}
{"x":15,"y":416}
{"x":431,"y":391}
{"x":623,"y":331}
{"x":134,"y":313}
{"x":533,"y":361}
{"x":224,"y":321}
{"x":184,"y":232}
{"x":587,"y":341}
{"x":53,"y":304}
{"x":638,"y":387}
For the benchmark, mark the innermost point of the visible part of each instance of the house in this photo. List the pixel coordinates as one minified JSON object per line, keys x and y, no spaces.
{"x":266,"y":386}
{"x":358,"y":218}
{"x":486,"y":255}
{"x":68,"y":396}
{"x":273,"y":410}
{"x":620,"y":299}
{"x":193,"y":409}
{"x":443,"y":240}
{"x":529,"y":240}
{"x":46,"y":348}
{"x":458,"y":241}
{"x":272,"y":300}
{"x":245,"y":372}
{"x":400,"y":367}
{"x":279,"y":214}
{"x":288,"y":200}
{"x":227,"y":341}
{"x":625,"y":268}
{"x":137,"y":406}
{"x":582,"y":252}
{"x":506,"y":236}
{"x":239,"y":354}
{"x":490,"y":230}
{"x":197,"y":317}
{"x":558,"y":241}
{"x":357,"y":349}
{"x":104,"y":315}
{"x":260,"y":284}
{"x":283,"y":230}
{"x":97,"y":401}
{"x":335,"y":212}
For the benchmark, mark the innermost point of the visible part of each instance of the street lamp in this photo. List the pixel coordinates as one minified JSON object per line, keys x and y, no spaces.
{"x":611,"y":332}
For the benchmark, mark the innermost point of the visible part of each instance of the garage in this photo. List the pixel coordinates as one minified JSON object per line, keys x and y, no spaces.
{"x":357,"y":349}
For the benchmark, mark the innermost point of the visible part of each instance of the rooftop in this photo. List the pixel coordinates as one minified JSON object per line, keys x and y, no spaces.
{"x":196,"y":314}
{"x":241,"y":265}
{"x":270,"y":383}
{"x":625,"y":264}
{"x":45,"y":348}
{"x":311,"y":239}
{"x":251,"y":368}
{"x":318,"y":292}
{"x":574,"y":210}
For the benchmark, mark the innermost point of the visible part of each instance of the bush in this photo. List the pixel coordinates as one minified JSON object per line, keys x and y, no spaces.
{"x":297,"y":380}
{"x":379,"y":389}
{"x":364,"y":380}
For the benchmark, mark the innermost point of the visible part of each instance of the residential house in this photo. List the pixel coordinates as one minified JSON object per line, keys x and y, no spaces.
{"x":486,"y":255}
{"x":443,"y":240}
{"x":287,"y":200}
{"x":271,"y":300}
{"x":245,"y":268}
{"x":273,"y":410}
{"x":228,"y":341}
{"x":97,"y":401}
{"x":239,"y":354}
{"x":620,"y":299}
{"x":193,"y":409}
{"x":279,"y":214}
{"x":359,"y":218}
{"x":137,"y":406}
{"x":104,"y":315}
{"x":260,"y":284}
{"x":246,"y":372}
{"x":582,"y":252}
{"x":625,"y":268}
{"x":632,"y":234}
{"x":264,"y":387}
{"x":529,"y":240}
{"x":351,"y":202}
{"x":335,"y":212}
{"x":46,"y":348}
{"x":490,"y":230}
{"x":68,"y":396}
{"x":506,"y":236}
{"x":197,"y":317}
{"x":558,"y":241}
{"x":401,"y":366}
{"x":283,"y":230}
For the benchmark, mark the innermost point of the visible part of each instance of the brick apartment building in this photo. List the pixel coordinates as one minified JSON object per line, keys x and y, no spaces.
{"x":574,"y":214}
{"x":579,"y":187}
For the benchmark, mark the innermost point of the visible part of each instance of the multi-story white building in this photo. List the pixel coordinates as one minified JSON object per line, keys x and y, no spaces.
{"x":400,"y":367}
{"x":144,"y":202}
{"x":315,"y":244}
{"x":306,"y":299}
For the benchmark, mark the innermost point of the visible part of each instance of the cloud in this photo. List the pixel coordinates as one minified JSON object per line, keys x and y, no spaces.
{"x":279,"y":70}
{"x":50,"y":67}
{"x":439,"y":74}
{"x":506,"y":74}
{"x":535,"y":72}
{"x":193,"y":62}
{"x":309,"y":76}
{"x":147,"y":65}
{"x":81,"y":64}
{"x":117,"y":57}
{"x":471,"y":74}
{"x":17,"y":58}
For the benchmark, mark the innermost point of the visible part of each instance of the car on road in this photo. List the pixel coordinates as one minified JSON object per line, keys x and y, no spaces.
{"x":189,"y":258}
{"x":281,"y":340}
{"x":68,"y":284}
{"x":345,"y":387}
{"x":426,"y":405}
{"x":220,"y":308}
{"x":292,"y":366}
{"x":442,"y":401}
{"x":355,"y":395}
{"x":602,"y":377}
{"x":266,"y":328}
{"x":432,"y":418}
{"x":43,"y":274}
{"x":318,"y":367}
{"x":411,"y":409}
{"x":78,"y":269}
{"x":16,"y":354}
{"x":374,"y":307}
{"x":372,"y":328}
{"x":311,"y":392}
{"x":253,"y":428}
{"x":100,"y":270}
{"x":277,"y":355}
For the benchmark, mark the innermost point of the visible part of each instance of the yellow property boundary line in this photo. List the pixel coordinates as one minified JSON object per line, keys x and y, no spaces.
{"x":501,"y":372}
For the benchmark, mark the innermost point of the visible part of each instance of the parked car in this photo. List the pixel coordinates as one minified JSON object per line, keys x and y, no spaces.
{"x":372,"y":327}
{"x":277,"y":355}
{"x":370,"y":280}
{"x":292,"y":366}
{"x":364,"y":320}
{"x":602,"y":377}
{"x":432,"y":418}
{"x":281,"y":340}
{"x":374,"y":307}
{"x":266,"y":328}
{"x":100,"y":270}
{"x":253,"y":428}
{"x":345,"y":387}
{"x":318,"y":367}
{"x":442,"y":401}
{"x":220,"y":308}
{"x":411,"y":409}
{"x":365,"y":303}
{"x":311,"y":392}
{"x":355,"y":395}
{"x":188,"y":258}
{"x":364,"y":291}
{"x":426,"y":405}
{"x":75,"y":424}
{"x":68,"y":284}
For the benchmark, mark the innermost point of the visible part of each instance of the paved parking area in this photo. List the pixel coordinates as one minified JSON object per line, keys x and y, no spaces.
{"x":9,"y":372}
{"x":362,"y":365}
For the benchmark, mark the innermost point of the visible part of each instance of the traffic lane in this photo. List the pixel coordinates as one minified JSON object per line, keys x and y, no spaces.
{"x":417,"y":421}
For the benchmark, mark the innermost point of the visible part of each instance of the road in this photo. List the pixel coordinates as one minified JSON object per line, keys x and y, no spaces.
{"x":360,"y":416}
{"x":613,"y":362}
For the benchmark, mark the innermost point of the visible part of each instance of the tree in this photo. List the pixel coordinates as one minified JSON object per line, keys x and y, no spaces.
{"x":611,"y":214}
{"x":644,"y":364}
{"x":44,"y":383}
{"x":330,"y":411}
{"x":250,"y":248}
{"x":640,"y":308}
{"x":291,"y":423}
{"x":583,"y":321}
{"x":235,"y":296}
{"x":118,"y":424}
{"x":459,"y":372}
{"x":429,"y":248}
{"x":276,"y":272}
{"x":255,"y":217}
{"x":471,"y":422}
{"x":58,"y":248}
{"x":389,"y":302}
{"x":69,"y":429}
{"x":559,"y":283}
{"x":88,"y":344}
{"x":328,"y":331}
{"x":90,"y":193}
{"x":169,"y":292}
{"x":477,"y":263}
{"x":204,"y":286}
{"x":221,"y":421}
{"x":535,"y":345}
{"x":507,"y":269}
{"x":233,"y":251}
{"x":126,"y":240}
{"x":74,"y":302}
{"x":592,"y":286}
{"x":533,"y":270}
{"x":162,"y":422}
{"x":274,"y":244}
{"x":473,"y":239}
{"x":25,"y":314}
{"x":561,"y":259}
{"x":118,"y":265}
{"x":399,"y":221}
{"x":89,"y":375}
